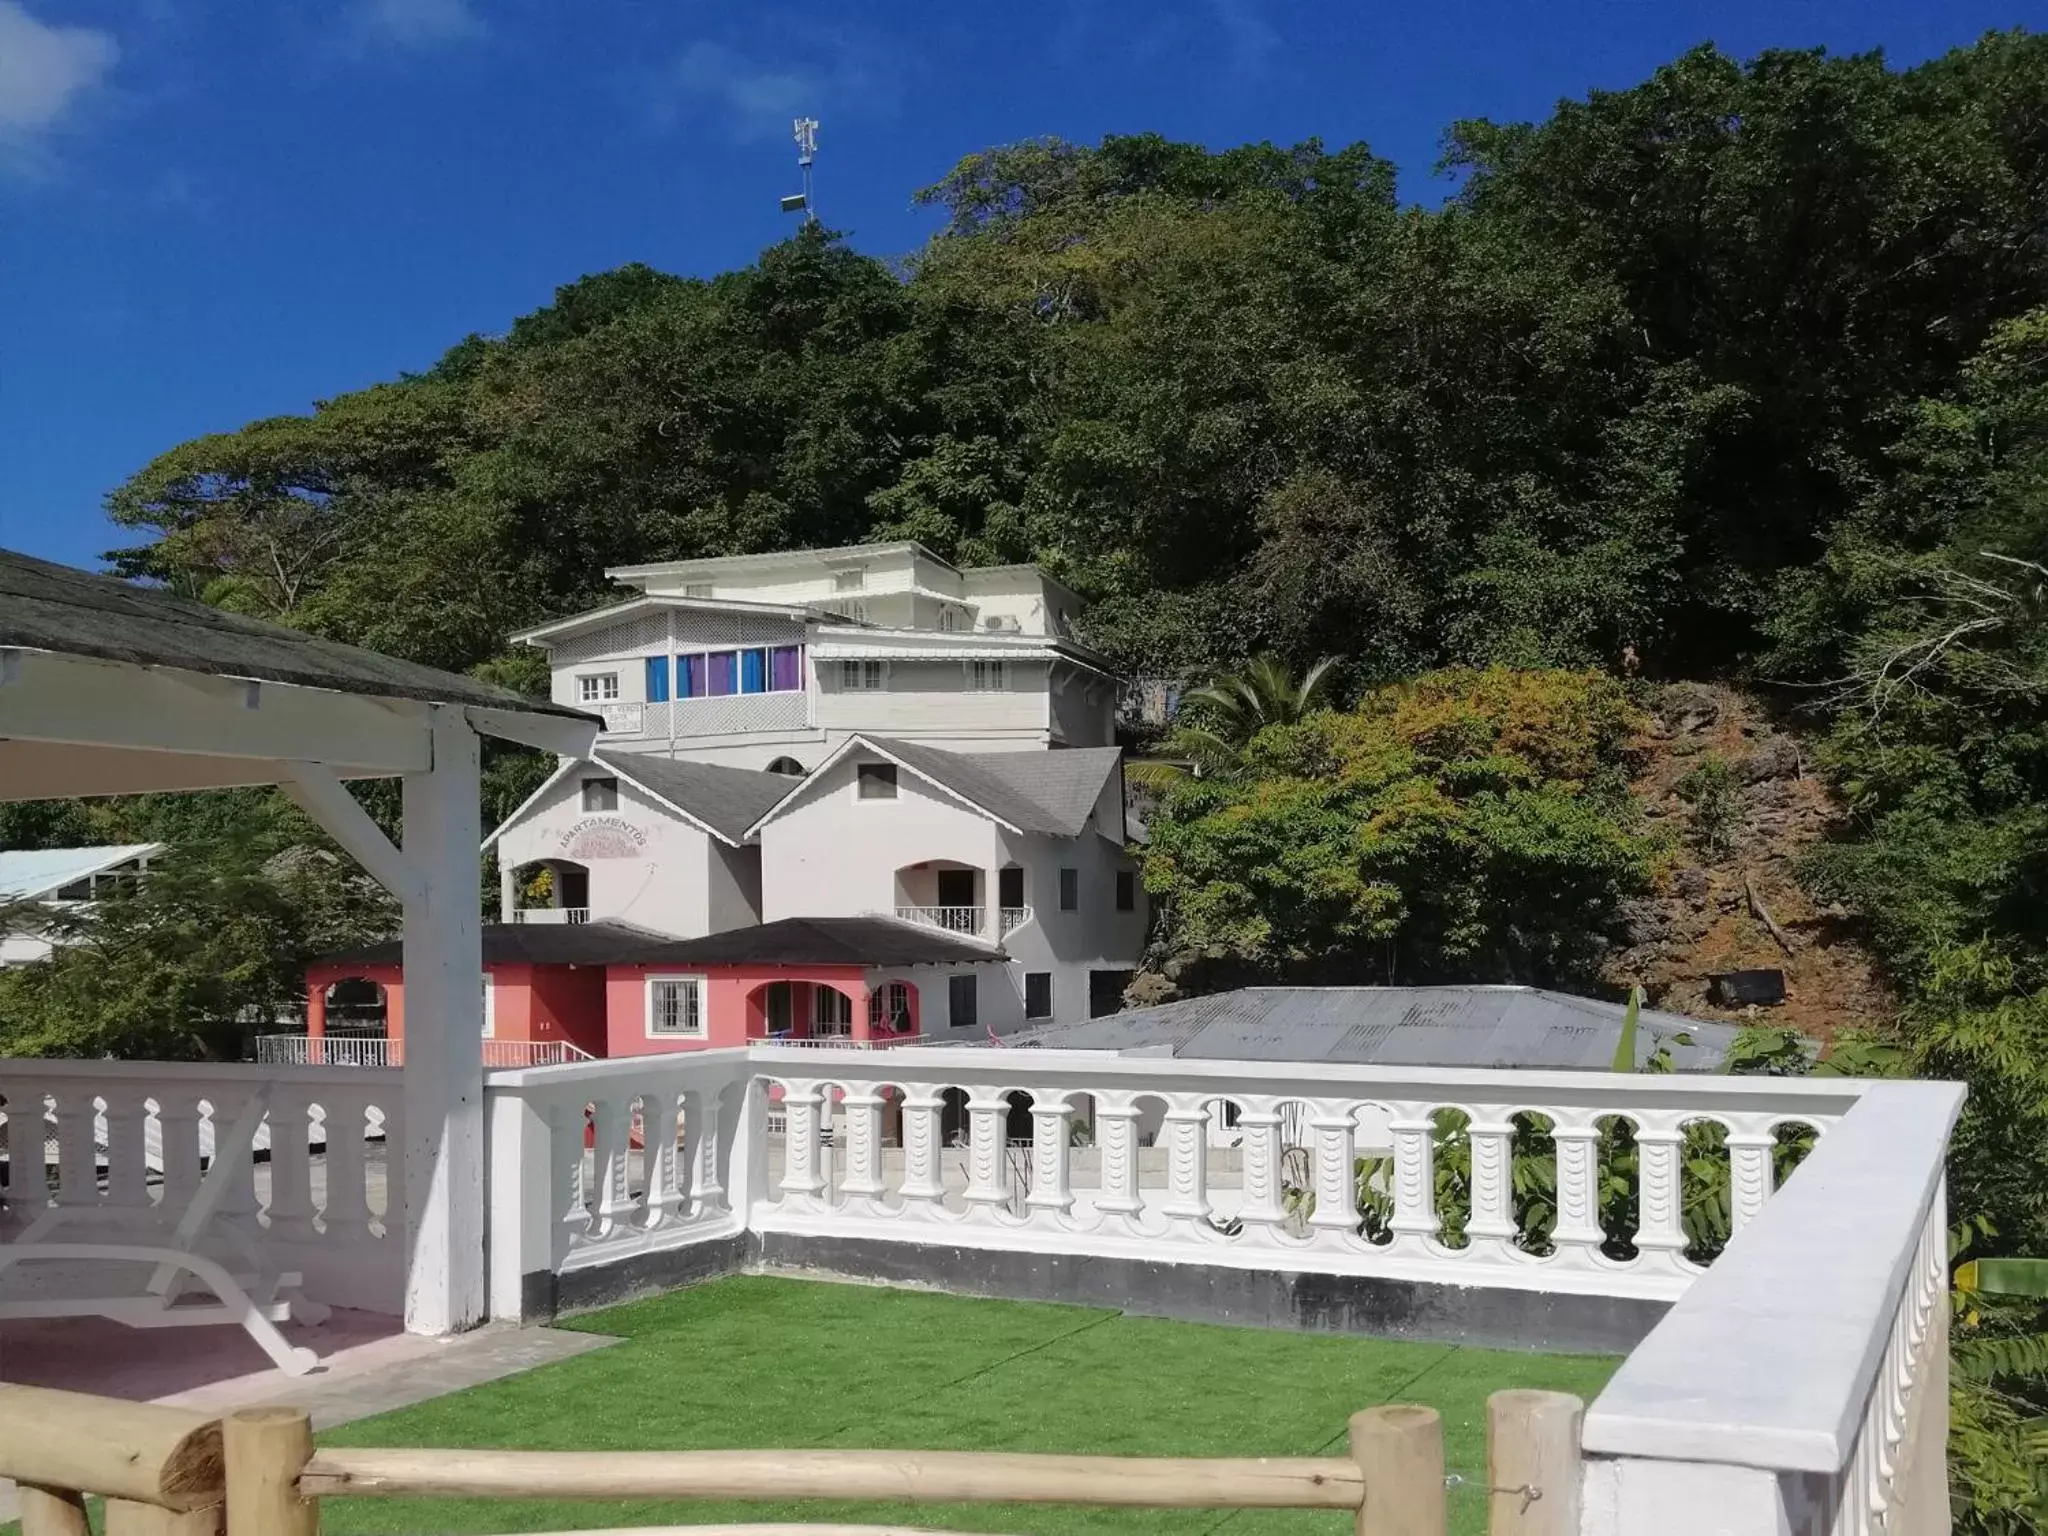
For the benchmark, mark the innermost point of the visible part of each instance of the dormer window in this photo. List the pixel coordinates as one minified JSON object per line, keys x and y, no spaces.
{"x":875,"y":781}
{"x":600,"y":794}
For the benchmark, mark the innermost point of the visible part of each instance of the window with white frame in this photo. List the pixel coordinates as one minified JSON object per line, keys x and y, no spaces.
{"x":675,"y":1006}
{"x":987,"y":676}
{"x":597,"y":687}
{"x":696,"y":589}
{"x":850,"y":581}
{"x":862,"y":676}
{"x":600,"y":794}
{"x":875,"y":781}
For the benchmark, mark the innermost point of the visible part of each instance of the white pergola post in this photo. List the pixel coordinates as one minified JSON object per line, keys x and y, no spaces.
{"x":444,"y":1086}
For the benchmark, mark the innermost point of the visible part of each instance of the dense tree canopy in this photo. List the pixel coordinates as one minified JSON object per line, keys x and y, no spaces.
{"x":1644,"y":367}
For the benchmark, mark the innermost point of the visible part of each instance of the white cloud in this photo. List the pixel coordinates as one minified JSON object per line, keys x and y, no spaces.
{"x":44,"y":69}
{"x":758,"y":99}
{"x":418,"y":24}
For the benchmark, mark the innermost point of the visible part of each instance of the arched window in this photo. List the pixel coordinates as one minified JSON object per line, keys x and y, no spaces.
{"x":788,"y":765}
{"x":889,"y":1007}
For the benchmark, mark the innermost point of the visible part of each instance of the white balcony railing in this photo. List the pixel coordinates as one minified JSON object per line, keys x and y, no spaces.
{"x":952,"y":919}
{"x":126,"y":1143}
{"x":842,"y":1042}
{"x":1012,"y":918}
{"x":379,"y":1051}
{"x":551,"y":915}
{"x":1794,"y":1384}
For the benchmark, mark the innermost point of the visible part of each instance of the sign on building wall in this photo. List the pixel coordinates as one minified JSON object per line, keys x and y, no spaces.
{"x":623,"y":719}
{"x":603,"y":837}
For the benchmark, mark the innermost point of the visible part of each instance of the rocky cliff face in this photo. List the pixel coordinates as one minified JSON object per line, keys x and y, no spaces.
{"x":1734,"y":791}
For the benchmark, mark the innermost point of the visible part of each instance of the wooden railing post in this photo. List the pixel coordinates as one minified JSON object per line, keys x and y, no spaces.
{"x":1400,"y":1454}
{"x":1532,"y":1463}
{"x":52,"y":1512}
{"x":265,"y":1448}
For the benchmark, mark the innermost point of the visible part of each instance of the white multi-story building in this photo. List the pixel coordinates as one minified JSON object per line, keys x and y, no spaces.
{"x":759,"y":661}
{"x":844,"y":733}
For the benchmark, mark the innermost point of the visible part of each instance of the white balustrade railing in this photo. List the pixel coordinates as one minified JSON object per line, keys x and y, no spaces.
{"x":952,"y":919}
{"x":551,"y":914}
{"x":380,"y":1051}
{"x":601,"y":1161}
{"x":1795,"y":1385}
{"x":1011,"y":918}
{"x":114,"y":1151}
{"x":845,"y":1042}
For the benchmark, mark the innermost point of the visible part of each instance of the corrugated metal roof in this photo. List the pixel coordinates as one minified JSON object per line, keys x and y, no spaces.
{"x":1394,"y":1026}
{"x":28,"y":873}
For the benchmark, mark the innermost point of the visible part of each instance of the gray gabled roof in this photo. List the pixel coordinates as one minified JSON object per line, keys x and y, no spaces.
{"x":866,"y":941}
{"x":727,"y":800}
{"x":47,"y":607}
{"x":1053,"y":791}
{"x":1504,"y":1027}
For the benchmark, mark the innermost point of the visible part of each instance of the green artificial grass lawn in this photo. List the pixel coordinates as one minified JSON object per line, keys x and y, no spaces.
{"x":754,"y":1362}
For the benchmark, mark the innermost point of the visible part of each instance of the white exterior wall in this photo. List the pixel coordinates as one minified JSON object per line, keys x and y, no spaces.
{"x":1081,"y":708}
{"x":678,"y":879}
{"x":835,"y":855}
{"x":1094,"y":937}
{"x":929,"y":701}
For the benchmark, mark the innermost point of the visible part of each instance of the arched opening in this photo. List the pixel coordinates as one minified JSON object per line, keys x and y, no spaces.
{"x":551,"y":891}
{"x":941,"y":893}
{"x":892,"y":1009}
{"x":789,"y":766}
{"x":357,"y":1005}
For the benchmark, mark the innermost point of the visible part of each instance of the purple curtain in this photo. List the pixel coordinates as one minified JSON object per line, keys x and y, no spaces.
{"x":689,"y":677}
{"x":724,"y":672}
{"x":785,"y":668}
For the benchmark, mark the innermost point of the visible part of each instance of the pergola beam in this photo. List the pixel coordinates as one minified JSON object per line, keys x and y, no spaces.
{"x":324,"y":798}
{"x":81,"y":701}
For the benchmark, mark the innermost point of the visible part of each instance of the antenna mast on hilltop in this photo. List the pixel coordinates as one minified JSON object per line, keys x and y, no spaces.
{"x":806,"y":154}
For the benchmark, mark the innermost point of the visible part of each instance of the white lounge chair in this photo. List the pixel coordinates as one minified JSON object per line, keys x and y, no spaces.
{"x":174,"y":1262}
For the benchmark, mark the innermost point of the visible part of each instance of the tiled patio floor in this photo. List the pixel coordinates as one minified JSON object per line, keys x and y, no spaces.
{"x":369,"y":1364}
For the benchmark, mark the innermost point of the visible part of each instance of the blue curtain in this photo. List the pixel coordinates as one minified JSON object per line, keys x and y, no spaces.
{"x":657,"y":679}
{"x":753,"y":671}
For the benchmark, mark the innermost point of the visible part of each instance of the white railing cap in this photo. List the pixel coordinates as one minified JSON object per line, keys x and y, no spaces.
{"x":1769,"y":1358}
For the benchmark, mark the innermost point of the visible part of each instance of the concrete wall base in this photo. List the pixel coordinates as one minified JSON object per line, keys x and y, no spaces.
{"x":1315,"y":1303}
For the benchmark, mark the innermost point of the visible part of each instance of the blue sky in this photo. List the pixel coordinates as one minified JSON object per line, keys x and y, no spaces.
{"x":216,"y":210}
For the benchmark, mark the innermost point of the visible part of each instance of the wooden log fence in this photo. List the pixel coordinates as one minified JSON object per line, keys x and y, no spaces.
{"x":173,"y":1472}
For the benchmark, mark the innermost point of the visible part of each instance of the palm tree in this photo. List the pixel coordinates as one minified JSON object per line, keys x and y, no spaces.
{"x":1238,"y":705}
{"x":1232,"y":709}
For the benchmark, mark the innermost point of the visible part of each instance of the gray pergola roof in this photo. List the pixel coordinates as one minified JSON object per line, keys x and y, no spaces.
{"x":1393,"y":1026}
{"x":49,"y":607}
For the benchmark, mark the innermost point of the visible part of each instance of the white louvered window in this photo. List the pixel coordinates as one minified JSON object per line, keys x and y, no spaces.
{"x":863,"y":676}
{"x":988,"y":676}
